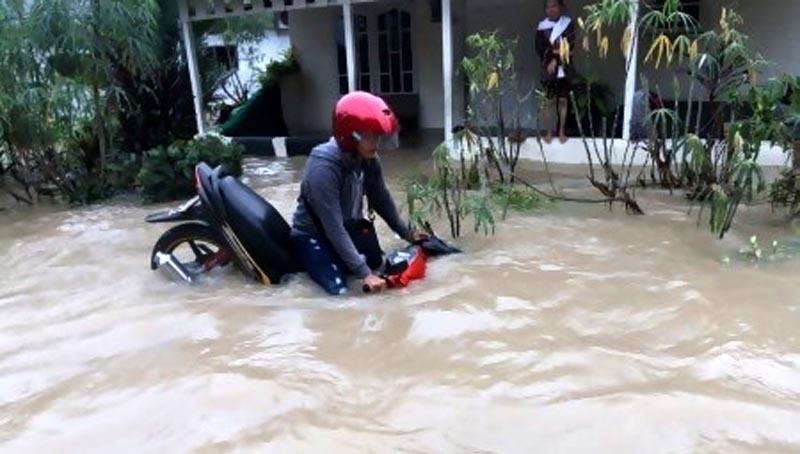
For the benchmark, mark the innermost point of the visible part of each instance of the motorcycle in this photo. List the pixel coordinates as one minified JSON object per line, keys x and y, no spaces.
{"x":228,"y":223}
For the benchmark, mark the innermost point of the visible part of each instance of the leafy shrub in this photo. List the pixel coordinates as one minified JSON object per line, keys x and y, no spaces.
{"x":785,"y":192}
{"x":593,"y":97}
{"x":517,"y":198}
{"x":280,"y":68}
{"x":167,"y":173}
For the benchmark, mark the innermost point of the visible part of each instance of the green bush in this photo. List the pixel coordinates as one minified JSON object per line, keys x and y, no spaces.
{"x":517,"y":198}
{"x":280,"y":68}
{"x":167,"y":173}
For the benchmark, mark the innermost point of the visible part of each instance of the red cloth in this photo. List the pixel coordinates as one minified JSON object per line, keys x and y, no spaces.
{"x":415,"y":271}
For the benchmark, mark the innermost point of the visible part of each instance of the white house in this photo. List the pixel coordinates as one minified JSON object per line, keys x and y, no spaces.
{"x":249,"y":59}
{"x":408,"y":50}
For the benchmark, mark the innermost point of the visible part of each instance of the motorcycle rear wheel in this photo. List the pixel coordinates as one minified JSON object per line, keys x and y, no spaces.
{"x":196,"y":246}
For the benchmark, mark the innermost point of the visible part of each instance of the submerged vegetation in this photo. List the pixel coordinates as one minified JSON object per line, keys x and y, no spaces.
{"x":476,"y":175}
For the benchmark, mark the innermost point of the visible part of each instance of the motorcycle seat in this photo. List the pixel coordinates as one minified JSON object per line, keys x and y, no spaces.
{"x":259,"y":226}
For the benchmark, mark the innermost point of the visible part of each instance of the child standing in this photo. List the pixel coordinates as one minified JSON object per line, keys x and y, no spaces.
{"x":556,"y":69}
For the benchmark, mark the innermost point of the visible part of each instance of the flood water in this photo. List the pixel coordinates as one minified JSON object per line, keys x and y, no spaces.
{"x":571,"y":330}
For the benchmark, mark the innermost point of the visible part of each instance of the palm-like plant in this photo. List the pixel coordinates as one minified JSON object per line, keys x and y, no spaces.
{"x":89,"y":41}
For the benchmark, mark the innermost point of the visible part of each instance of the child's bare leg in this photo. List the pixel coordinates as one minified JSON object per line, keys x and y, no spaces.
{"x":562,"y":119}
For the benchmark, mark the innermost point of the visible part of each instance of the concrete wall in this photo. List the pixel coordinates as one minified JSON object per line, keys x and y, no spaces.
{"x":774,"y":30}
{"x":308,"y":96}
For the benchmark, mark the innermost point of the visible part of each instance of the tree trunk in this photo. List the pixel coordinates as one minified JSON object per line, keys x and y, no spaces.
{"x":99,"y":126}
{"x":99,"y":121}
{"x":796,"y":156}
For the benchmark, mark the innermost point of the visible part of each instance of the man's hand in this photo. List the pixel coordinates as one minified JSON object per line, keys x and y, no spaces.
{"x":417,"y":236}
{"x":374,"y":284}
{"x":551,"y":68}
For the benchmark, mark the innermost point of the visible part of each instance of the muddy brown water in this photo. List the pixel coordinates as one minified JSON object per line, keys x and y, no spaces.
{"x":571,"y":330}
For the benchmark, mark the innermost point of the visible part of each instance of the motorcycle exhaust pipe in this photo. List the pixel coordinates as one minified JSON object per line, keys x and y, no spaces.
{"x":172,"y":268}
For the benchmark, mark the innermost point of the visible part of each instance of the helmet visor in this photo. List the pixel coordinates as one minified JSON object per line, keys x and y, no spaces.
{"x":377,"y":141}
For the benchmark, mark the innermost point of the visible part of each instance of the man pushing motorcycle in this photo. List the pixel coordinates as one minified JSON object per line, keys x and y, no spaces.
{"x":330,"y":236}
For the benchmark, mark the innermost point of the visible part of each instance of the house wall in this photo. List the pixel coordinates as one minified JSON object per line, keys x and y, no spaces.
{"x":309,"y":96}
{"x":773,"y":28}
{"x":255,"y":56}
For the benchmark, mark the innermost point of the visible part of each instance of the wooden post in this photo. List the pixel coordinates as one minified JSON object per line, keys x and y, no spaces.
{"x":349,"y":44}
{"x":447,"y":69}
{"x":191,"y":60}
{"x":631,"y":70}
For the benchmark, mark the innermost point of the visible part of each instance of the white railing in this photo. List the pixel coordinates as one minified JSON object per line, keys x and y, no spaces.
{"x":213,"y":9}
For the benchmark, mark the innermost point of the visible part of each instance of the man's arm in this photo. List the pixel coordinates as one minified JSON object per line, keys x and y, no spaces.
{"x":380,"y":199}
{"x":323,"y":196}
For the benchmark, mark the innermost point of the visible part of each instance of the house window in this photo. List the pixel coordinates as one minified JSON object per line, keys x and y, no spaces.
{"x":225,"y":56}
{"x":362,"y":54}
{"x":394,"y":52}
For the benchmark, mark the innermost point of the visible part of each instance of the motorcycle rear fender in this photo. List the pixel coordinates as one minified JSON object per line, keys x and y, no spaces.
{"x":191,"y":210}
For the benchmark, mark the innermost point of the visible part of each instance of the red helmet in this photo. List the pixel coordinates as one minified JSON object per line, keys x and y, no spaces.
{"x":361,"y":112}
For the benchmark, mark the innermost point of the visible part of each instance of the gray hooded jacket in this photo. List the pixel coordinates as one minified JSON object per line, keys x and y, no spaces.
{"x":334,"y":185}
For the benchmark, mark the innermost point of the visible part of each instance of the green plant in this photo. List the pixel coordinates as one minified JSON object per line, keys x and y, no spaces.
{"x":60,"y":64}
{"x":167,"y":173}
{"x":494,"y":109}
{"x":754,"y":252}
{"x":280,"y":68}
{"x":457,"y":189}
{"x":86,"y":42}
{"x":592,"y":94}
{"x":421,"y":200}
{"x":482,"y":208}
{"x":740,"y":177}
{"x":785,"y":192}
{"x":518,"y":198}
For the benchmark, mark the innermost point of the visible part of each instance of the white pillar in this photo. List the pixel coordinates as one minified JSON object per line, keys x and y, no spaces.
{"x":632,"y":70}
{"x":447,"y":69}
{"x":349,"y":44}
{"x":191,"y":60}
